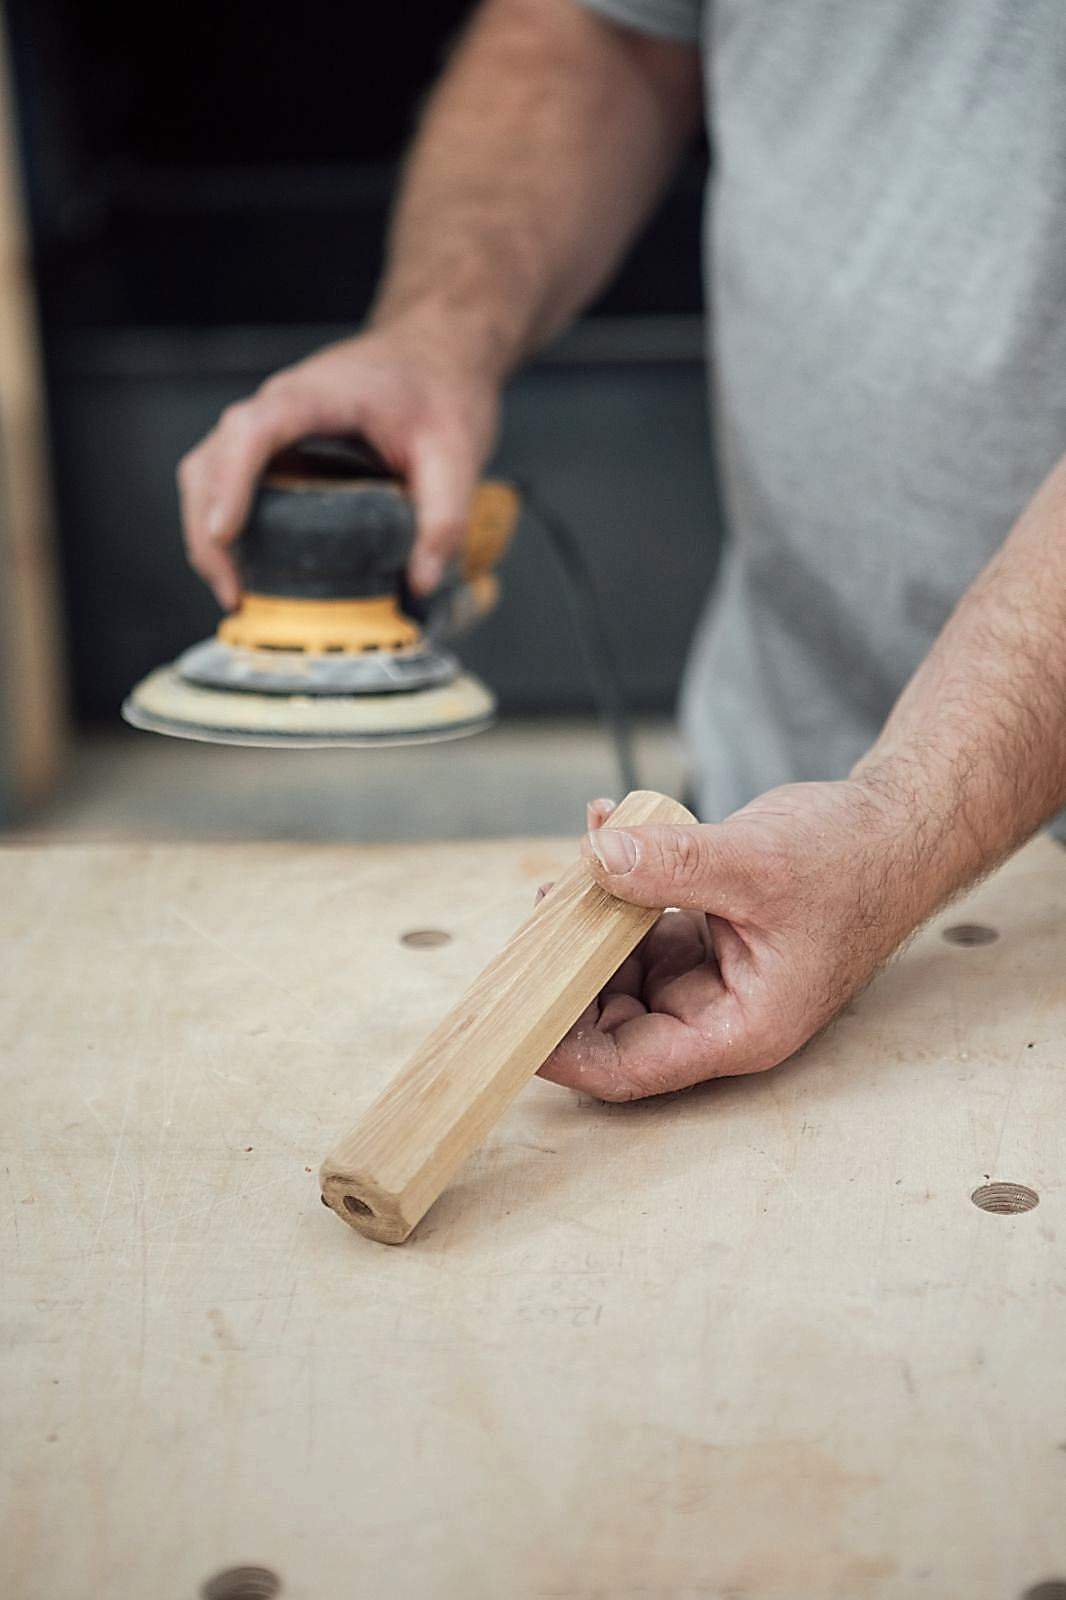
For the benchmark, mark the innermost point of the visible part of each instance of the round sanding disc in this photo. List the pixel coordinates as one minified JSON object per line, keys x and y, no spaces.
{"x":165,"y":703}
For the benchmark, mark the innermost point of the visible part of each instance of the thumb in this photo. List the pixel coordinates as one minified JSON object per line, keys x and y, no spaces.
{"x":443,"y":477}
{"x":691,"y":865}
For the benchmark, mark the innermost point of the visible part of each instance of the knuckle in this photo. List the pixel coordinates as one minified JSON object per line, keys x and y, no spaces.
{"x":788,"y":1021}
{"x":443,"y":533}
{"x":279,"y":394}
{"x":438,"y":423}
{"x":686,"y":858}
{"x":613,"y":1091}
{"x":422,"y":442}
{"x":290,"y":405}
{"x":434,"y":430}
{"x":767,"y":876}
{"x":768,"y":1062}
{"x":277,"y":386}
{"x":777,"y":862}
{"x":239,"y":418}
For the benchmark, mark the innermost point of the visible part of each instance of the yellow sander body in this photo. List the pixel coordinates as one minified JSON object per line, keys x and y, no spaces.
{"x":325,"y":647}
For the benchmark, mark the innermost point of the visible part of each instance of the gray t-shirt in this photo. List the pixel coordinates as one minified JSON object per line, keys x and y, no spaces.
{"x":886,"y":268}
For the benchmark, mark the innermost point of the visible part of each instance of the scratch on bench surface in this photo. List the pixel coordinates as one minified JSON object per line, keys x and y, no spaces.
{"x":219,"y":1200}
{"x":265,"y":973}
{"x":14,"y":1211}
{"x":119,"y":1141}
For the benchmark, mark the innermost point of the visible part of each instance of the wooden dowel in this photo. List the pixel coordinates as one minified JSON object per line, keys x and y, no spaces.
{"x":386,"y":1174}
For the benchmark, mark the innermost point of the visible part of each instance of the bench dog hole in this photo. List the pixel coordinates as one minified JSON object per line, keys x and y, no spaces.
{"x":242,"y":1583}
{"x":358,"y":1208}
{"x":425,"y":938}
{"x":970,"y":933}
{"x":1006,"y":1200}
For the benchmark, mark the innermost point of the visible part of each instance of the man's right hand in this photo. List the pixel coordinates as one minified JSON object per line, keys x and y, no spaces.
{"x":428,"y":413}
{"x":540,"y":153}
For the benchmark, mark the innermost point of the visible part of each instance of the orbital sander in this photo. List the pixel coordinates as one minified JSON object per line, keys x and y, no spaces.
{"x":328,"y":646}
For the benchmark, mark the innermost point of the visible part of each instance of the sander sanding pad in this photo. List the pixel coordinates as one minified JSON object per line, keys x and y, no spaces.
{"x":166,"y":703}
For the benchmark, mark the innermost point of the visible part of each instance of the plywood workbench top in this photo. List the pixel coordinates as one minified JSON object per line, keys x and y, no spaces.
{"x":753,"y":1342}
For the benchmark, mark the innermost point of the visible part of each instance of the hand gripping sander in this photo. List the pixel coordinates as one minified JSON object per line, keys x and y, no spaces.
{"x":327,"y":647}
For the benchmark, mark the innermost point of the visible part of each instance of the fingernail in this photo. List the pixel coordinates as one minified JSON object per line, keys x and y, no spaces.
{"x":215,"y":522}
{"x":615,"y":851}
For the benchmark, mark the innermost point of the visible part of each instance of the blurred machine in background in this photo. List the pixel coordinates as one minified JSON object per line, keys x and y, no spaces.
{"x":208,"y":194}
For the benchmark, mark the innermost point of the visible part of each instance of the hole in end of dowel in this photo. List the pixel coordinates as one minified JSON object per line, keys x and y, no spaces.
{"x":356,"y":1207}
{"x":1005,"y":1199}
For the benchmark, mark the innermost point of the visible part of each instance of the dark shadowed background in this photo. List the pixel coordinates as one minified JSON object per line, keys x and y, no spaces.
{"x":208,"y":187}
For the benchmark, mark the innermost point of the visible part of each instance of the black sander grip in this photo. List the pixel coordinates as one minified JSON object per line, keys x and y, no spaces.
{"x":330,"y":542}
{"x":329,"y":522}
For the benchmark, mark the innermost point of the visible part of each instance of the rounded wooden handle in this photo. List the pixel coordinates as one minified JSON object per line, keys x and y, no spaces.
{"x":384,"y":1176}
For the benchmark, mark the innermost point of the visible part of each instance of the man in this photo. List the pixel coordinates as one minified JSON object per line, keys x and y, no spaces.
{"x":887,"y":278}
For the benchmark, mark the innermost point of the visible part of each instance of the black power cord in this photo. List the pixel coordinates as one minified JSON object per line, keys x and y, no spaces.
{"x":592,"y":635}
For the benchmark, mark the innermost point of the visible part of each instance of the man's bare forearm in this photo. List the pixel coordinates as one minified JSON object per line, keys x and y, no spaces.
{"x":540,"y":154}
{"x":975,"y":748}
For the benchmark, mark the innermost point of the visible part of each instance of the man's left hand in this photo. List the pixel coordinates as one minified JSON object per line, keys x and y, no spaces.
{"x":785,"y":910}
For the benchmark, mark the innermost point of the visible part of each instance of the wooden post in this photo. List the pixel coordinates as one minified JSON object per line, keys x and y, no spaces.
{"x":386,"y":1174}
{"x":32,"y":700}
